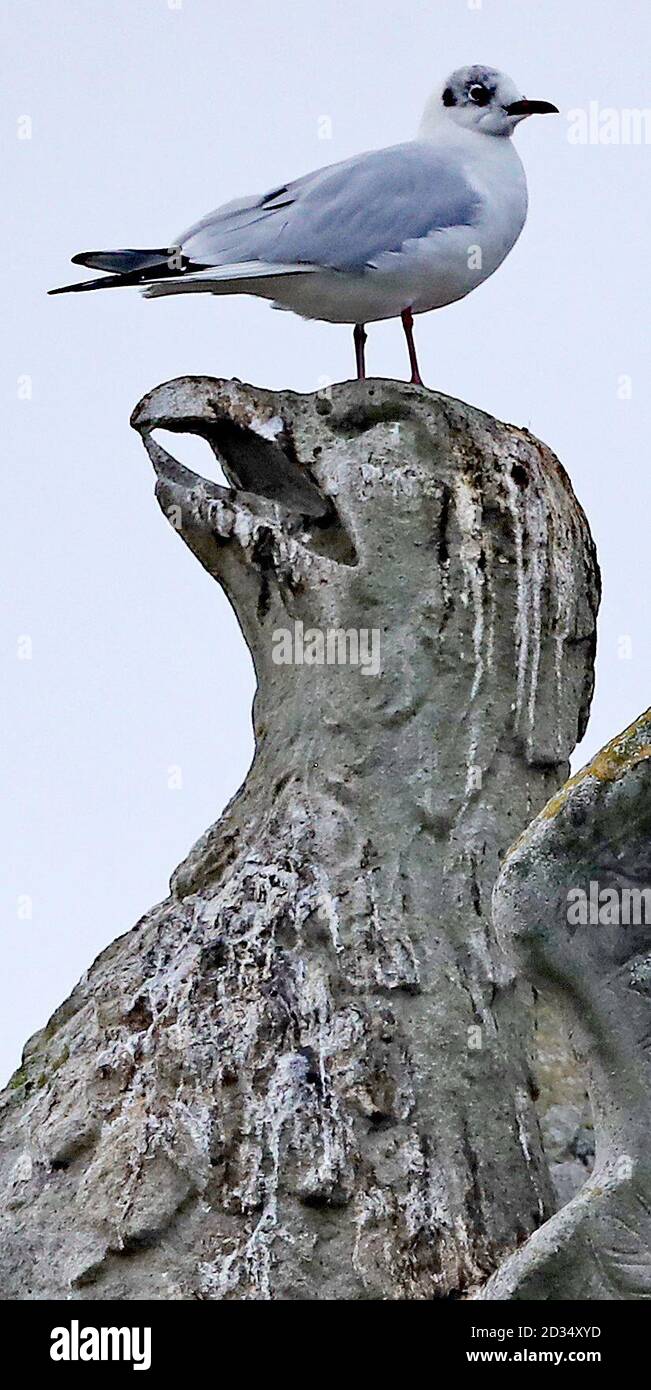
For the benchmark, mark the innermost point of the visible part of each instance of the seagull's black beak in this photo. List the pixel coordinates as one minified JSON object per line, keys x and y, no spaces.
{"x":531,"y":108}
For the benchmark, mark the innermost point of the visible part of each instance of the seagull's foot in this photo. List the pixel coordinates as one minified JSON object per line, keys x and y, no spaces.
{"x":416,"y":379}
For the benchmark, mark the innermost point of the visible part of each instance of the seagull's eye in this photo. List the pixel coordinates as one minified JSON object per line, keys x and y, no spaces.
{"x":479,"y":94}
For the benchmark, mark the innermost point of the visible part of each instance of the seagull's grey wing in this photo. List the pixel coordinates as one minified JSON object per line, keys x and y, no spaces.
{"x":344,"y":216}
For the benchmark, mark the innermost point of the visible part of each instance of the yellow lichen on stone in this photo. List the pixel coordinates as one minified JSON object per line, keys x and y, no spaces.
{"x":623,"y":752}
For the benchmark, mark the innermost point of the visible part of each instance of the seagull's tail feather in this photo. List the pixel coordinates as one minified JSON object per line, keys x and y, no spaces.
{"x":129,"y":268}
{"x":169,"y":272}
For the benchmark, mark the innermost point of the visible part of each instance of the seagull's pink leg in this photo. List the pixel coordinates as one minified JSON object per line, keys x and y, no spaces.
{"x":408,"y":325}
{"x":359,"y":338}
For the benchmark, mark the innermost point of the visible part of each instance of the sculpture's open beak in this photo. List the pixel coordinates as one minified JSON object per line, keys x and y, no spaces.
{"x":274,"y":506}
{"x":255,"y":452}
{"x":531,"y":108}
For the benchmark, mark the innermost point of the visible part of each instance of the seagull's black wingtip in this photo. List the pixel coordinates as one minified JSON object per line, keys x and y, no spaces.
{"x":104,"y":282}
{"x":71,"y":289}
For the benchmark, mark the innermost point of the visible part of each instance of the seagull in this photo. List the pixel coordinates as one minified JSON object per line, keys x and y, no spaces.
{"x":387,"y":234}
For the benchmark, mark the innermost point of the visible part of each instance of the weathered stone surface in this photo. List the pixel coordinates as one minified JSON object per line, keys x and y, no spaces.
{"x":305,"y":1074}
{"x":596,"y":831}
{"x":562,"y":1102}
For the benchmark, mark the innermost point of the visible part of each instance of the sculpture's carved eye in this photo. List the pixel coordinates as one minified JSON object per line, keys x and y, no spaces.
{"x":479,"y":94}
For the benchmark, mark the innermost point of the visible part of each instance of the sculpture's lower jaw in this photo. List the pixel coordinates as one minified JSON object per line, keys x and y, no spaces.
{"x":254,"y":446}
{"x":270,"y":487}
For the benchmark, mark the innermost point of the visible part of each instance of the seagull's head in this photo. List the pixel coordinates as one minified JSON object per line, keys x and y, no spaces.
{"x":481,"y":99}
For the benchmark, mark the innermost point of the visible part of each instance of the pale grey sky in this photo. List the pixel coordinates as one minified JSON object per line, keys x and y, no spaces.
{"x":144,"y":116}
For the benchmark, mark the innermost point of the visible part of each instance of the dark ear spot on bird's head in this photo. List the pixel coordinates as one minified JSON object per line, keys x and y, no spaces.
{"x":449,"y":98}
